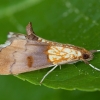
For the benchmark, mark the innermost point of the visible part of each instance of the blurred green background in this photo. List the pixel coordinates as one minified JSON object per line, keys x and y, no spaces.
{"x":50,"y":18}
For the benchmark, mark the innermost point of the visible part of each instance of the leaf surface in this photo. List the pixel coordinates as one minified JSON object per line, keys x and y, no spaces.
{"x":66,"y":21}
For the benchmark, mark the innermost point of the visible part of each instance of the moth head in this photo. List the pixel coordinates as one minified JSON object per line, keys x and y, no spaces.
{"x":87,"y":56}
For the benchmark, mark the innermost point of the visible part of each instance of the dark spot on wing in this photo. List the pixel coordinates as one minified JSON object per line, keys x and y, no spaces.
{"x":29,"y":61}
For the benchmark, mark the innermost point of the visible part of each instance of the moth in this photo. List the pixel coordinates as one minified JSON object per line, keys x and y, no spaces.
{"x":24,"y":53}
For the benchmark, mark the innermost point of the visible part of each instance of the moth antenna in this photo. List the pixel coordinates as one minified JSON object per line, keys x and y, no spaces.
{"x":98,"y":50}
{"x":94,"y":67}
{"x":48,"y":73}
{"x":91,"y":65}
{"x":93,"y":51}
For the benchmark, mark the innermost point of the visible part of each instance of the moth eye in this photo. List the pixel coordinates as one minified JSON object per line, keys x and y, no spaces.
{"x":85,"y":56}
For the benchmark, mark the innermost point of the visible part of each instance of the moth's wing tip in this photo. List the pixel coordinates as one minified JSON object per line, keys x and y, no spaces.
{"x":30,"y":32}
{"x":29,"y":25}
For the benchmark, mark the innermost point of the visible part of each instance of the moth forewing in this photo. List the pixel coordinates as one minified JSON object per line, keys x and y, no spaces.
{"x":24,"y":53}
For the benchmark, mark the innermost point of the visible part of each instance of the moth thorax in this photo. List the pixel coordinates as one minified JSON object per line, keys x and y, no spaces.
{"x":58,"y":54}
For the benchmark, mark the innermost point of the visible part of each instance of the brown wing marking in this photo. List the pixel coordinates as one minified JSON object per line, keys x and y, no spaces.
{"x":30,"y":61}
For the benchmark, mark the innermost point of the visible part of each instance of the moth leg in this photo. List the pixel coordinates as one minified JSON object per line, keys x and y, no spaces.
{"x":60,"y":67}
{"x":48,"y":73}
{"x":30,"y":33}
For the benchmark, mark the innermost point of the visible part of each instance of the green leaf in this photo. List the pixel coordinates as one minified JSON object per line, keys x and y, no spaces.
{"x":67,"y":21}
